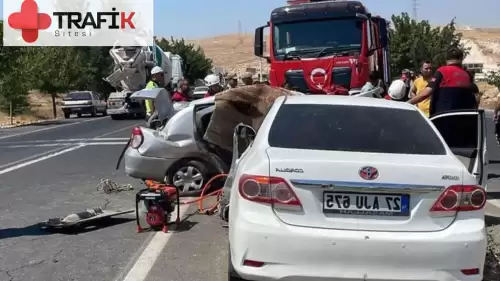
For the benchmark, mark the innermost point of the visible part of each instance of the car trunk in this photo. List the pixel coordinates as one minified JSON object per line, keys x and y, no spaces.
{"x":399,"y":199}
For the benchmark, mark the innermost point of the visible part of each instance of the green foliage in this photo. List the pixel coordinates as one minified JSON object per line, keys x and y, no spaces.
{"x":493,"y":78}
{"x":195,"y":64}
{"x":12,"y":73}
{"x":413,"y":42}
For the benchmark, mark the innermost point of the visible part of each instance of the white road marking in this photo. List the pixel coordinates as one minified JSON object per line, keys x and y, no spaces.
{"x":63,"y":144}
{"x":48,"y":128}
{"x":106,"y":143}
{"x":110,"y":139}
{"x":53,"y":153}
{"x":62,"y":141}
{"x":147,"y":259}
{"x":36,"y":160}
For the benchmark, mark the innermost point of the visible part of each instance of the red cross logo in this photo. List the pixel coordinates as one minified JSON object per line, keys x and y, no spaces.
{"x":29,"y":21}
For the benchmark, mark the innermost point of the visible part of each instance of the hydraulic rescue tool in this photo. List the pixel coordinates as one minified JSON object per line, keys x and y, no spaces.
{"x":83,"y":218}
{"x":160,"y":201}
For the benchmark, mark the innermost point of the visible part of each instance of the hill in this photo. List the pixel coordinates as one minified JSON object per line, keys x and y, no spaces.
{"x":234,"y":52}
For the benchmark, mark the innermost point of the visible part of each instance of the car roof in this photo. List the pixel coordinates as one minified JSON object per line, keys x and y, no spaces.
{"x":206,"y":100}
{"x":347,"y":100}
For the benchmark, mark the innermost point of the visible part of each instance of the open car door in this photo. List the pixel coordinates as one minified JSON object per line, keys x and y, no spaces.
{"x":161,"y":98}
{"x":465,"y":133}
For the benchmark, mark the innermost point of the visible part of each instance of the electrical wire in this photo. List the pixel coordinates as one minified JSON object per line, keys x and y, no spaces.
{"x":204,"y":196}
{"x":108,"y":186}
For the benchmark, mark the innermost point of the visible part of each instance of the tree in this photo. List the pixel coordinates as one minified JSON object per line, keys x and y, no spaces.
{"x":97,"y":64}
{"x":413,"y":42}
{"x":13,"y":70}
{"x":493,"y":78}
{"x":195,"y":64}
{"x":57,"y":70}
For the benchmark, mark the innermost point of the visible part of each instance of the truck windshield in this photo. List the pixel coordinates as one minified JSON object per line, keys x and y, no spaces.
{"x":308,"y":37}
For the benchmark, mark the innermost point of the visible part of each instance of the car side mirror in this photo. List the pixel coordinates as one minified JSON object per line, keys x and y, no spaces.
{"x":245,"y":132}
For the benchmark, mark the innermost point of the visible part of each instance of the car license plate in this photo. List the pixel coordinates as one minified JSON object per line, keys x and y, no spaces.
{"x":368,"y":204}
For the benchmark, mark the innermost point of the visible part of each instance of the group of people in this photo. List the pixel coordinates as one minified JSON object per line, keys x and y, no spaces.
{"x":450,"y":87}
{"x":182,"y":93}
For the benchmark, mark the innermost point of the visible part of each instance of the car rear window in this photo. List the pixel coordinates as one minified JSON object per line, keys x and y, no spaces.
{"x":78,"y":96}
{"x":353,"y":128}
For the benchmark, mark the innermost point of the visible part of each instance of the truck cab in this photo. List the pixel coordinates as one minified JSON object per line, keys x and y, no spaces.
{"x":324,"y":47}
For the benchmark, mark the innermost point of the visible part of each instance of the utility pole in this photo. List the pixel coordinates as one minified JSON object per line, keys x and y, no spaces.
{"x":415,"y":10}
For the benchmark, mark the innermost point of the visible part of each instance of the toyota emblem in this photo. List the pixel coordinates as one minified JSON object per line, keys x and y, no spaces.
{"x":368,"y":173}
{"x":318,"y":77}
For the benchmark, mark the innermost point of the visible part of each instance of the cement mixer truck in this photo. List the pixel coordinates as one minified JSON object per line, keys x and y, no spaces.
{"x":131,"y":74}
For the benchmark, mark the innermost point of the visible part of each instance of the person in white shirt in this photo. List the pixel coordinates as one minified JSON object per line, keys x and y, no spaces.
{"x":373,"y":81}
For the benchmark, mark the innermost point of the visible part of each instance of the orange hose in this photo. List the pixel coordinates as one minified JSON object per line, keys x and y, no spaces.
{"x":203,"y":196}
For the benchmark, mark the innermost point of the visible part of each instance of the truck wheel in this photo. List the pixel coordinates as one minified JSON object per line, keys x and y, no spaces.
{"x":67,"y":115}
{"x":94,"y":112}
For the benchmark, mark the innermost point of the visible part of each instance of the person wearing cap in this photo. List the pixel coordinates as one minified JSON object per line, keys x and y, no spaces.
{"x":157,"y":79}
{"x":451,"y":87}
{"x":232,"y":81}
{"x":247,"y":79}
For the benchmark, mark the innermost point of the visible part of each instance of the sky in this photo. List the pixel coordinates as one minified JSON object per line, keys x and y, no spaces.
{"x":194,"y":19}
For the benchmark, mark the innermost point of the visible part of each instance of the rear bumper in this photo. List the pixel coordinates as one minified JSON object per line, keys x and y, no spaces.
{"x":78,"y":109}
{"x":124,"y":111}
{"x":311,"y":254}
{"x":144,"y":167}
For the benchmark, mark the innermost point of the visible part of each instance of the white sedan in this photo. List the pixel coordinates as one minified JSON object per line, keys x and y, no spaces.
{"x":340,"y":188}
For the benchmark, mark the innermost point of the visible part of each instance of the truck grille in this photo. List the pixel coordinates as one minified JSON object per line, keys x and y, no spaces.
{"x":341,"y":76}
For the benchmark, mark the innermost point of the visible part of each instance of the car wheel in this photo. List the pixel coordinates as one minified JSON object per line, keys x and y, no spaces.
{"x":189,"y":176}
{"x":94,"y":112}
{"x":67,"y":115}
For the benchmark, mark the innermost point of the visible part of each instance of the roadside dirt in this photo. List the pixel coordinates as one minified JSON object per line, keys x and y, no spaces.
{"x":492,"y":265}
{"x":40,"y":108}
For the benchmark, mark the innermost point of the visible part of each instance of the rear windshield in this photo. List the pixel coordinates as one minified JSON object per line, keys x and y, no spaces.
{"x":353,"y":128}
{"x":78,"y":96}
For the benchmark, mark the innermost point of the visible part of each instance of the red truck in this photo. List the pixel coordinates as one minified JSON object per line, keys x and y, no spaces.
{"x":325,"y":47}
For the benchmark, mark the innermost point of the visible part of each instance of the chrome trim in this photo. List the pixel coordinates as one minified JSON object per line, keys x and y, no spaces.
{"x":365,"y":186}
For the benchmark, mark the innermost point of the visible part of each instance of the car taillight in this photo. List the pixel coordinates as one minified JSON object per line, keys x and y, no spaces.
{"x":458,"y":198}
{"x":137,"y":138}
{"x":272,"y":190}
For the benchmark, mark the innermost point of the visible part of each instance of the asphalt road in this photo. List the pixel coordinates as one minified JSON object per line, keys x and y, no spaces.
{"x":52,"y":170}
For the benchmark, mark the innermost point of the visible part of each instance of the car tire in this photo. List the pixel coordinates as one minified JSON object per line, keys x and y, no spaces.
{"x":67,"y":115}
{"x":183,"y":166}
{"x":94,"y":112}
